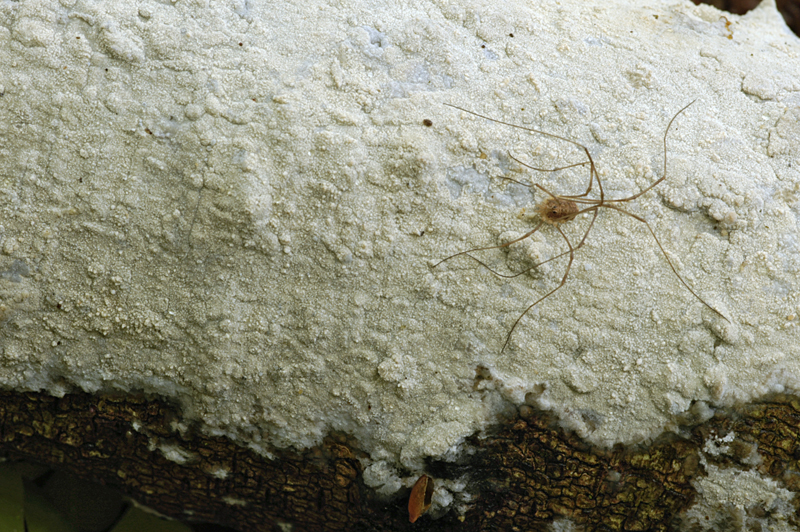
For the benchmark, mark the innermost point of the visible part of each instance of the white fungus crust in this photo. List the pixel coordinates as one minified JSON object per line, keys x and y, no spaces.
{"x":238,"y":207}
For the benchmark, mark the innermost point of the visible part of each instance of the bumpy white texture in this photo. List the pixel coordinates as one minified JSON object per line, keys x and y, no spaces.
{"x":238,"y":205}
{"x":735,"y":499}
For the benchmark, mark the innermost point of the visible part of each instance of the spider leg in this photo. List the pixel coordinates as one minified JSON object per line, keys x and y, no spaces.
{"x":576,"y":248}
{"x":592,"y":174}
{"x":595,"y":209}
{"x":467,"y":252}
{"x":672,"y":267}
{"x":532,"y":130}
{"x":517,"y":182}
{"x":664,"y":174}
{"x":547,"y":169}
{"x":571,"y":253}
{"x":538,"y":170}
{"x":548,"y":294}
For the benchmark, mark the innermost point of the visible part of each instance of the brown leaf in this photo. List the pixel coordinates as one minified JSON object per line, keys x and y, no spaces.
{"x":420,"y":499}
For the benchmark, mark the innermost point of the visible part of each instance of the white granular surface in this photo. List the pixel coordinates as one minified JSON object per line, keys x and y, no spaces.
{"x":238,"y":205}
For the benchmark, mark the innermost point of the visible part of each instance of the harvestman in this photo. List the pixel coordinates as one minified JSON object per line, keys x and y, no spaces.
{"x":558,"y":209}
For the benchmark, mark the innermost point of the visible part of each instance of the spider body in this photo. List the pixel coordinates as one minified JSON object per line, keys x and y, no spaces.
{"x":559,"y":209}
{"x":556,"y":211}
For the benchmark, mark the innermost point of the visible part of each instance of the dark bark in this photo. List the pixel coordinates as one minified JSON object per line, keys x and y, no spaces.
{"x":790,"y":9}
{"x":527,"y":474}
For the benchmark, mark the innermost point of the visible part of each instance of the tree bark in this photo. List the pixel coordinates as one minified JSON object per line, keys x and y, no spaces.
{"x":527,"y":474}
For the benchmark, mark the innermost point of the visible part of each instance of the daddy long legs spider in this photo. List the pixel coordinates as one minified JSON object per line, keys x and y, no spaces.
{"x":558,"y":209}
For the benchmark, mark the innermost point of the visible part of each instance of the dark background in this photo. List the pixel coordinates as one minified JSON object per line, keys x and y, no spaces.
{"x":790,"y":9}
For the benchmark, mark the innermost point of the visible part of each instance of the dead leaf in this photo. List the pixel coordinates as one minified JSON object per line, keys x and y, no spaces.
{"x":420,"y":499}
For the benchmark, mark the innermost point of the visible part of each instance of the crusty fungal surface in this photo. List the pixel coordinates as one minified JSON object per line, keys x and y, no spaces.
{"x":237,"y":207}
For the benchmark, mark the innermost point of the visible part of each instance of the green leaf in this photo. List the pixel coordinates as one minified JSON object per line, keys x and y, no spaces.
{"x":12,"y":496}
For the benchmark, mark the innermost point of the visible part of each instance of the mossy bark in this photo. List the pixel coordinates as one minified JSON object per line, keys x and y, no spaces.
{"x":527,"y":474}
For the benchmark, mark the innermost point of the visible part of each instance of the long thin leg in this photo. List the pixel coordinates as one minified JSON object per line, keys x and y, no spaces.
{"x":546,"y":134}
{"x":539,"y":170}
{"x":526,"y":270}
{"x":523,"y":237}
{"x":548,"y":294}
{"x":672,"y":267}
{"x":591,"y":224}
{"x":526,"y":165}
{"x":592,"y":176}
{"x":577,"y":199}
{"x":664,"y":174}
{"x":571,"y":253}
